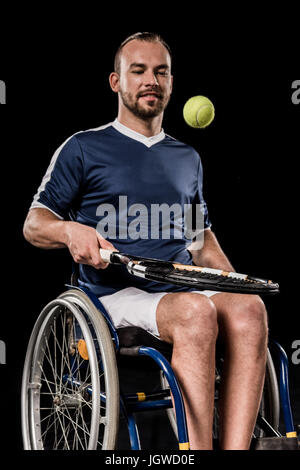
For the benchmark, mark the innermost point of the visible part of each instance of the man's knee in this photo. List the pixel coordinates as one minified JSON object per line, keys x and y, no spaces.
{"x":192,"y":316}
{"x":249,"y":318}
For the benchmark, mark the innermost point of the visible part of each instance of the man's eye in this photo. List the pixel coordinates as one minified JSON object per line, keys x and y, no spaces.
{"x":137,"y":71}
{"x":163,"y":72}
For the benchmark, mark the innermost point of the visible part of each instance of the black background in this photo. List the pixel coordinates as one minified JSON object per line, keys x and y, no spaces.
{"x":249,"y":154}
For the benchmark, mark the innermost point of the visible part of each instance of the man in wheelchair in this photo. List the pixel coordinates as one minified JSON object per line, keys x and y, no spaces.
{"x":133,"y":157}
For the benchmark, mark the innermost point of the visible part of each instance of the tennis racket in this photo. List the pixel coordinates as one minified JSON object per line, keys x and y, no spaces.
{"x":196,"y":277}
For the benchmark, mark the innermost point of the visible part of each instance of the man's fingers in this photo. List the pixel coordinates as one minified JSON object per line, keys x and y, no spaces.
{"x":90,"y":252}
{"x":107,"y":246}
{"x":91,"y":257}
{"x":85,"y":247}
{"x":105,"y":243}
{"x":97,"y":261}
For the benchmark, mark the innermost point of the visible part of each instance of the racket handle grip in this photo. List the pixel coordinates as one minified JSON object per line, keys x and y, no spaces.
{"x":106,"y":255}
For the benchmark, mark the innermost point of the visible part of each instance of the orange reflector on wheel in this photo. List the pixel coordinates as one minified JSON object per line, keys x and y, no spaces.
{"x":82,"y":349}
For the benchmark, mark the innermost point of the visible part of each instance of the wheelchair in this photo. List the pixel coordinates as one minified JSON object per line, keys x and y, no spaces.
{"x":71,"y":397}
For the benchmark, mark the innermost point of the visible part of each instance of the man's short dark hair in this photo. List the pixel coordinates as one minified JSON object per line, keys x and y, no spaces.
{"x":147,"y":37}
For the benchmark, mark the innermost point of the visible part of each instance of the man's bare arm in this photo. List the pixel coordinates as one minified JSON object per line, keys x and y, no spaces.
{"x":43,"y":229}
{"x":211,"y":254}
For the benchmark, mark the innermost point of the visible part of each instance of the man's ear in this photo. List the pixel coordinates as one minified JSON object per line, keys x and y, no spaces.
{"x":114,"y":81}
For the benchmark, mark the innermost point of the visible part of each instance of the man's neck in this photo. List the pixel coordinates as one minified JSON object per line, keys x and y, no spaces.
{"x":146,"y":127}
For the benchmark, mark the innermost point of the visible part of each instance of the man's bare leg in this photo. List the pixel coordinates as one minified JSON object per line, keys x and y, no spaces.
{"x":243,"y":328}
{"x":189,"y":322}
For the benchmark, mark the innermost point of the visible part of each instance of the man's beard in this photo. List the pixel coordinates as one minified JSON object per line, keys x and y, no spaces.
{"x":152,"y":110}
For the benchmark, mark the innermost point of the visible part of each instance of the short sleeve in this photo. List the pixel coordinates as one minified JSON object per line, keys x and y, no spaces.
{"x":62,"y":181}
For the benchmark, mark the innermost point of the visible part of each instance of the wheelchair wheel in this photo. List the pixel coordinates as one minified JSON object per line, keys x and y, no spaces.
{"x":70,"y":387}
{"x":269,"y":407}
{"x":270,"y":403}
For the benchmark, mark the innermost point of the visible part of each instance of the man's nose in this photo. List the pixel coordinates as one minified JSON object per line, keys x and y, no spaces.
{"x":150,"y":78}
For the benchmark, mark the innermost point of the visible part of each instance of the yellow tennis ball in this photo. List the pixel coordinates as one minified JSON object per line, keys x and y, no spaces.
{"x":198,"y":112}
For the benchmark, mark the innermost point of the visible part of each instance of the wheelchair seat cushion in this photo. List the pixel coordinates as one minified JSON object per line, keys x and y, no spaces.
{"x":133,"y":336}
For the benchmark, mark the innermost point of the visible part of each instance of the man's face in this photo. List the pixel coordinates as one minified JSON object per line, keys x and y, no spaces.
{"x":145,"y":82}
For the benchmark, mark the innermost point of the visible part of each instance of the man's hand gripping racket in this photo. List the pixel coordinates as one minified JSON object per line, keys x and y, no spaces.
{"x":196,"y":277}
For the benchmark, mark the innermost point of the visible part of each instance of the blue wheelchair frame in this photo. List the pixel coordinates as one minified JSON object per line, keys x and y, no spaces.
{"x":133,"y":403}
{"x":137,"y":402}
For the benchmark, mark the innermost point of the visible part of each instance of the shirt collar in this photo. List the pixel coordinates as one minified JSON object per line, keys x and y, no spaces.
{"x":148,"y":141}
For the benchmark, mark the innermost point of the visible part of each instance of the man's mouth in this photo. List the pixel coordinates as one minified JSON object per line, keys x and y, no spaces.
{"x":150,"y":96}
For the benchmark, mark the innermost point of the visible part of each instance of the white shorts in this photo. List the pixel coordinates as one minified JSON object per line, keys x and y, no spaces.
{"x":135,"y":307}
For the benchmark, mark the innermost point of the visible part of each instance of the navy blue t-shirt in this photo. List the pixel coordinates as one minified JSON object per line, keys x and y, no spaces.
{"x":134,"y":190}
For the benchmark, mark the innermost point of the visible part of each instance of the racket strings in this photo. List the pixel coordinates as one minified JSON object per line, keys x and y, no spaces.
{"x":204,"y":280}
{"x":193,"y":274}
{"x":216,"y":277}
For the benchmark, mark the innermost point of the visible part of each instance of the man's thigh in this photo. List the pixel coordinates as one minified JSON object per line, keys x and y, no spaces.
{"x":135,"y":307}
